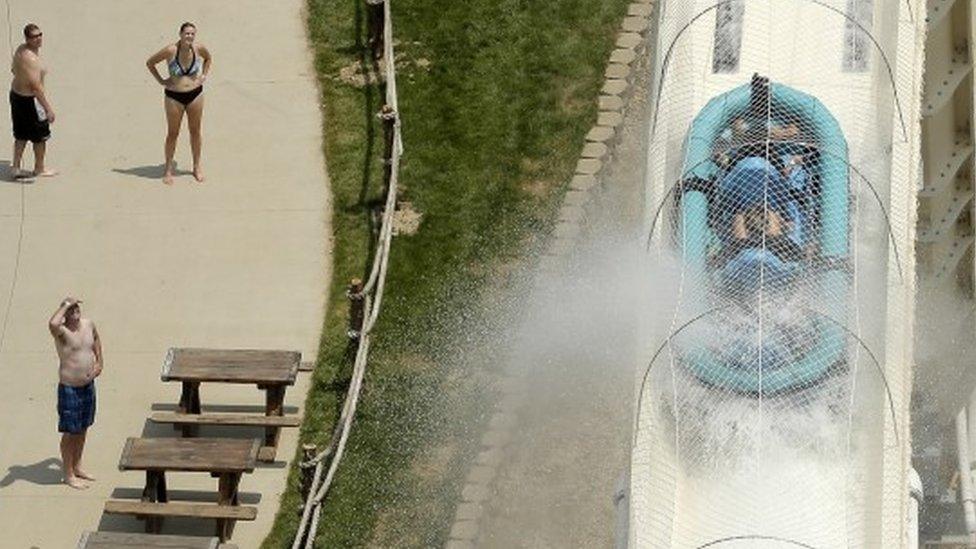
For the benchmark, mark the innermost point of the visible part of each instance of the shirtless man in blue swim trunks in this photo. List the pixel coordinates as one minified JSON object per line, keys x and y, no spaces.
{"x":189,"y":63}
{"x":30,"y":108}
{"x":80,"y":362}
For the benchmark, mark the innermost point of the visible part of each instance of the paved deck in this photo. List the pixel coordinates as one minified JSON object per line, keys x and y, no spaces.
{"x":239,"y":261}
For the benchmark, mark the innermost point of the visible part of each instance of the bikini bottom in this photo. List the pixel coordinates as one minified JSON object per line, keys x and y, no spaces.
{"x":184,"y":98}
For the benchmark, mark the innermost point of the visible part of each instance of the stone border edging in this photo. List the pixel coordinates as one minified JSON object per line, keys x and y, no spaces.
{"x":601,"y":139}
{"x":596,"y":154}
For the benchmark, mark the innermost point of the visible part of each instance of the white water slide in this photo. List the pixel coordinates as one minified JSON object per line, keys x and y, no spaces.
{"x":773,"y":400}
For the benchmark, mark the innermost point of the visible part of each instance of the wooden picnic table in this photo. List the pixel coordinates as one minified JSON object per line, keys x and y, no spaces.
{"x":271,"y":371}
{"x":224,"y":458}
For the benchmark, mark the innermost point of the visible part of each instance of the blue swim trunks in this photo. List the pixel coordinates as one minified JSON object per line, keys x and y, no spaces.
{"x":76,"y":408}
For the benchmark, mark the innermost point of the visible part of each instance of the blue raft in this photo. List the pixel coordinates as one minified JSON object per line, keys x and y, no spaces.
{"x":771,"y":356}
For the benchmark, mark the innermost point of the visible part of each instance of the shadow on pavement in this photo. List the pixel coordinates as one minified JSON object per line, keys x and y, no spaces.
{"x":8,"y":175}
{"x":153,"y":171}
{"x":47,"y":471}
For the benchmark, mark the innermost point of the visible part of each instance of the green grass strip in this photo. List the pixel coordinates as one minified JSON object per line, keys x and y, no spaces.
{"x":496,"y":97}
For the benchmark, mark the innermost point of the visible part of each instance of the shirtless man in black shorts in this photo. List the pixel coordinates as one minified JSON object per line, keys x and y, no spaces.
{"x":30,"y":108}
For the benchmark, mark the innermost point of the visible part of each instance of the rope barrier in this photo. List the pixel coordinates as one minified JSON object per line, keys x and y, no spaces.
{"x":369,"y":295}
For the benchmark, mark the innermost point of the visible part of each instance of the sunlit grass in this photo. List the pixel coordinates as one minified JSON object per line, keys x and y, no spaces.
{"x":495,"y":98}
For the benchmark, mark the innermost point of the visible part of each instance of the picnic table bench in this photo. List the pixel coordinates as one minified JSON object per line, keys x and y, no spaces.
{"x":127,"y":540}
{"x":224,"y":458}
{"x":271,"y":371}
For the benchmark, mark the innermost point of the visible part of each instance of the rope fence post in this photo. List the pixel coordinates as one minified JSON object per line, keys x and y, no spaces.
{"x":375,"y":21}
{"x":356,"y":313}
{"x":305,"y":484}
{"x":389,"y":118}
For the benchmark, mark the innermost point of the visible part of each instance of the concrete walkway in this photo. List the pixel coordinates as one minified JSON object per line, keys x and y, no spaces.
{"x":239,"y":261}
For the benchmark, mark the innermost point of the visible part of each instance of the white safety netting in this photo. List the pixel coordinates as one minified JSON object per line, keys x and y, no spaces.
{"x":772,"y":404}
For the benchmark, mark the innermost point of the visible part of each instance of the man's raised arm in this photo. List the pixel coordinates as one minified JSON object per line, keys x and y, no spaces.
{"x":57,"y":319}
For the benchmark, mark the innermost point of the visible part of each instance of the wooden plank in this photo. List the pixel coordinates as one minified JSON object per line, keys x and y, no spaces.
{"x":126,"y":540}
{"x":185,"y":360}
{"x":191,"y":510}
{"x":253,"y":420}
{"x":306,"y":366}
{"x":215,"y":455}
{"x":126,"y":452}
{"x":232,"y":366}
{"x":255,"y":449}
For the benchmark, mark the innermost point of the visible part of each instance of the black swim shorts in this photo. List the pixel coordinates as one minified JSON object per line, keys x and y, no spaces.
{"x":28,"y":125}
{"x":76,"y":408}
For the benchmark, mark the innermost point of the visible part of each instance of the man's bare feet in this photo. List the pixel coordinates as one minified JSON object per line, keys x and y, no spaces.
{"x":75,"y":483}
{"x":198,"y":175}
{"x":81,"y":474}
{"x":45,"y":173}
{"x":168,"y":178}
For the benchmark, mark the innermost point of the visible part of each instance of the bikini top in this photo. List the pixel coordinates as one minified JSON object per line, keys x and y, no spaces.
{"x":175,"y":69}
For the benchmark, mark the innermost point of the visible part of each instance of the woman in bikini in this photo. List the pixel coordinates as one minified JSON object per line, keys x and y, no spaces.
{"x":188,"y":66}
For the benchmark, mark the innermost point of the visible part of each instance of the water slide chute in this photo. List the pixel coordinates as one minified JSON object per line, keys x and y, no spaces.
{"x":769,"y":152}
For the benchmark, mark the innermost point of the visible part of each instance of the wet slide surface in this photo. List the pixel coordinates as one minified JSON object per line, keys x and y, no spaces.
{"x":238,"y":261}
{"x":819,"y":460}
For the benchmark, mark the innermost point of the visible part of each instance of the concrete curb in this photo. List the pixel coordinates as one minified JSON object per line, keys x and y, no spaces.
{"x":602,"y":138}
{"x":596,"y":153}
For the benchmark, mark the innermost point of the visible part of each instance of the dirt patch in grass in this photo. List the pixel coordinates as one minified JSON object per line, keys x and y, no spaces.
{"x":406,"y":220}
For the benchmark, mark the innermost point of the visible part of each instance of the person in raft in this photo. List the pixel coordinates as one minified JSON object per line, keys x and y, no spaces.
{"x":80,"y":362}
{"x":30,"y":109}
{"x":189,"y":64}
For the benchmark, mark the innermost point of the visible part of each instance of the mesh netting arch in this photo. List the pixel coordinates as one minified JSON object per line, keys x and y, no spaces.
{"x":770,"y":408}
